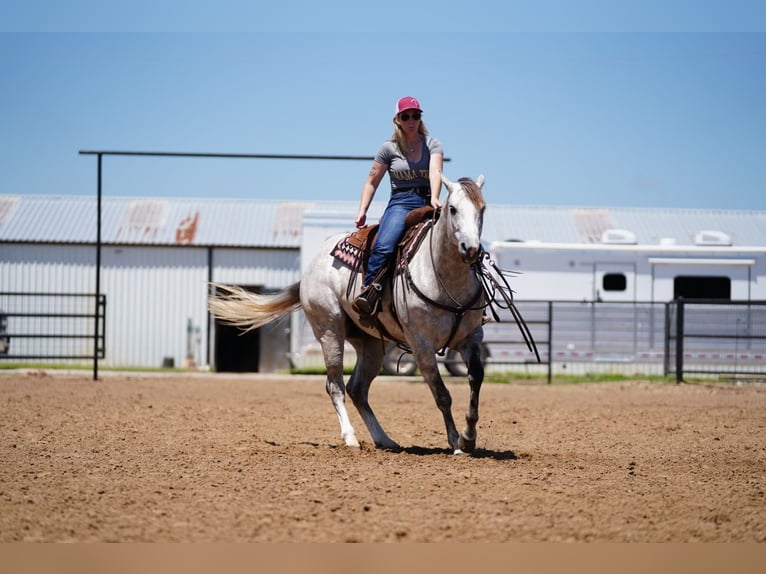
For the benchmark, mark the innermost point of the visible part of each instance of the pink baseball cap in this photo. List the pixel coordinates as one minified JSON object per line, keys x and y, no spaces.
{"x":407,"y":103}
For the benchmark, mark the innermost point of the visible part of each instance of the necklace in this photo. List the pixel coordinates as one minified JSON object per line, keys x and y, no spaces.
{"x":412,"y":148}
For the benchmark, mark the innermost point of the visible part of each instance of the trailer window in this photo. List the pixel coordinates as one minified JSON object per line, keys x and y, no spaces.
{"x":702,"y":287}
{"x":614,"y":282}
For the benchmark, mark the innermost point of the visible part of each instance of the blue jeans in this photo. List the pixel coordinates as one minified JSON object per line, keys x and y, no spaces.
{"x":391,"y":229}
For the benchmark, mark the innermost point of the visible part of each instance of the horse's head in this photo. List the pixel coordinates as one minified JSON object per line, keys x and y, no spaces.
{"x":464,"y":212}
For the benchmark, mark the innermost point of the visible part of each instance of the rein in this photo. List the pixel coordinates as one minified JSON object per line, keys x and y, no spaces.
{"x":492,"y":281}
{"x":458,"y":308}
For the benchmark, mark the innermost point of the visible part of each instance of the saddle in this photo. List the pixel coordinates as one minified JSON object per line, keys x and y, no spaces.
{"x":354,"y":249}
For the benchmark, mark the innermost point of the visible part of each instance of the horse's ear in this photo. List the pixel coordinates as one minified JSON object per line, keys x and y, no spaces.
{"x":447,"y":183}
{"x":480,"y":181}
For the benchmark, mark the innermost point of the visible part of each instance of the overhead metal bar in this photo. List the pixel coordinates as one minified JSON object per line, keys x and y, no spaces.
{"x":102,"y":153}
{"x":230,"y":155}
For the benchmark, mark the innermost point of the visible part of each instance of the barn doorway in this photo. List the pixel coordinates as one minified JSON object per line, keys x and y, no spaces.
{"x":235,"y":351}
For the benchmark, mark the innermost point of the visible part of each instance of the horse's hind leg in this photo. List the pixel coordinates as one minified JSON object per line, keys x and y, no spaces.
{"x":332,"y":348}
{"x":369,"y":352}
{"x":472,"y":357}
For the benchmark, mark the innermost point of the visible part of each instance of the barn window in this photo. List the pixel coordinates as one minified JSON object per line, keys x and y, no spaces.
{"x":690,"y":287}
{"x":614,"y":282}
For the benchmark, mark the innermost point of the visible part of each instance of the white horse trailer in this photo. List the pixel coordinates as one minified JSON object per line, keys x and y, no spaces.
{"x":610,"y":300}
{"x":632,"y":273}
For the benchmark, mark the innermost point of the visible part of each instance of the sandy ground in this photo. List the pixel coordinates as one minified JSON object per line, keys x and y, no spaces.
{"x":259,"y":458}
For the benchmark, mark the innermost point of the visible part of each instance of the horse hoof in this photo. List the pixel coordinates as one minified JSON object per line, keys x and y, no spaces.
{"x":465,"y":444}
{"x":352,"y":442}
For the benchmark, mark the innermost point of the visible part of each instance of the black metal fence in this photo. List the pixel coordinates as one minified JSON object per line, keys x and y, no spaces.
{"x":582,"y":337}
{"x":715,"y":337}
{"x":52,"y":326}
{"x":506,"y":346}
{"x":684,"y":336}
{"x":695,"y":336}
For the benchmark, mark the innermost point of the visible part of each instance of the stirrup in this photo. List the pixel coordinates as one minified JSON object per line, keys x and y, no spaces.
{"x":367,"y":304}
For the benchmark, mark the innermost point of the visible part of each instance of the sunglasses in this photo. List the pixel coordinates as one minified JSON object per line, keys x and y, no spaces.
{"x":405,"y":117}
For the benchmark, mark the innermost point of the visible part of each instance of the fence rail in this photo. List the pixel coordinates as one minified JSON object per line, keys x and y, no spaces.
{"x":52,"y":326}
{"x":716,"y":337}
{"x":678,"y":337}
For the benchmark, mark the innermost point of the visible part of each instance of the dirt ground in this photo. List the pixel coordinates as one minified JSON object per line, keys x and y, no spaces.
{"x":259,"y":458}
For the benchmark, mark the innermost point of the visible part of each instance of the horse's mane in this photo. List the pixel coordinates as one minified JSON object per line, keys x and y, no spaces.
{"x":473,"y":191}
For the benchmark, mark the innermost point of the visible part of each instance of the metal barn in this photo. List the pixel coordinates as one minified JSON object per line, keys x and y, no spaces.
{"x":159,"y":257}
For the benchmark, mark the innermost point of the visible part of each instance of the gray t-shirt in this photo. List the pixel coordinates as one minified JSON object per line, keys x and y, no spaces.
{"x":403,"y":173}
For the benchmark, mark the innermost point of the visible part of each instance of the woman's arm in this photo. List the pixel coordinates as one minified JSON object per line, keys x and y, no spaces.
{"x":435,"y":178}
{"x":374,"y":178}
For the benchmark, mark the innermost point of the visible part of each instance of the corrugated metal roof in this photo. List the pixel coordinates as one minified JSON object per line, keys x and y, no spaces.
{"x":152,"y":221}
{"x":525,"y":223}
{"x":271,"y":223}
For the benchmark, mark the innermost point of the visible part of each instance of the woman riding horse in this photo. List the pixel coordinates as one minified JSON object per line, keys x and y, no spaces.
{"x":437,"y":301}
{"x":414,"y":162}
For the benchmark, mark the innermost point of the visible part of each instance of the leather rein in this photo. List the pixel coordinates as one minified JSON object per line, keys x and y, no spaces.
{"x":492,"y":282}
{"x":458,"y":309}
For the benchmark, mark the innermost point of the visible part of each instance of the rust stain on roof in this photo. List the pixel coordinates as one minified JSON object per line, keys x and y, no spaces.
{"x":187,"y":229}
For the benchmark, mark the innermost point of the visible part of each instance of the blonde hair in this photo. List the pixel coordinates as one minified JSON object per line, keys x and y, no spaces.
{"x":398,"y":136}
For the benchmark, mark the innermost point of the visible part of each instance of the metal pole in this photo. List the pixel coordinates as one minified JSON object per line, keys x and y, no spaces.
{"x":680,"y":340}
{"x":666,"y":344}
{"x":210,"y":318}
{"x":550,"y":341}
{"x":98,"y":275}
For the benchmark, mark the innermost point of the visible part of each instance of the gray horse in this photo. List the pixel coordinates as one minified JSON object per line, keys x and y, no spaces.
{"x":436,"y":301}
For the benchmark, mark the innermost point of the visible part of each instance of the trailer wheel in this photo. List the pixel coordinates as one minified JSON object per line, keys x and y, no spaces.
{"x":397,"y":362}
{"x":455,"y":364}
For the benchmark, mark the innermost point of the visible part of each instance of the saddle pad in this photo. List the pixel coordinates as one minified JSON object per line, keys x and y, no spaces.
{"x":410,"y":243}
{"x":354,"y":248}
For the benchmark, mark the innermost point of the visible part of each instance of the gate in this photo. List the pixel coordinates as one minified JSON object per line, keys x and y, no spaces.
{"x":714,"y":336}
{"x":52,"y":326}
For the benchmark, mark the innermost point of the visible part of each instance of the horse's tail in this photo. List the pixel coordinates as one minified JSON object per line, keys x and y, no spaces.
{"x":248,"y":311}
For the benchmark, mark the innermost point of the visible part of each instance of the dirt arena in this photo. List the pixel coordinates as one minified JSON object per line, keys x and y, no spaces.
{"x":259,"y":458}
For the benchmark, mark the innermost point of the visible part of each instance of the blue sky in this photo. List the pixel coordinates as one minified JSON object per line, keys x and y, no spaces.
{"x":634,"y":110}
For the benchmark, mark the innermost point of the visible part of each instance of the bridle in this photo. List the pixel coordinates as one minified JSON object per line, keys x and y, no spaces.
{"x":457,"y":308}
{"x":492,"y":282}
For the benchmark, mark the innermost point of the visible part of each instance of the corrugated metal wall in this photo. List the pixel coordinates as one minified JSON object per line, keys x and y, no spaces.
{"x":34,"y":267}
{"x":270,"y":268}
{"x":46,"y":269}
{"x":154,"y":294}
{"x":151,"y":294}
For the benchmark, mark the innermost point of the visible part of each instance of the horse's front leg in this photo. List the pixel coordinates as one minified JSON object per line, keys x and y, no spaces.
{"x":428,"y":367}
{"x":472,"y":356}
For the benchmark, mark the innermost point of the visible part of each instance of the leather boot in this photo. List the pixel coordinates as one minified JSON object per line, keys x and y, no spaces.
{"x":367,"y":304}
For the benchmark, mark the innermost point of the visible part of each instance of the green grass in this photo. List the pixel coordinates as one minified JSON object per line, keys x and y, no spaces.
{"x":511,"y":377}
{"x":499,"y":378}
{"x":576,"y":379}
